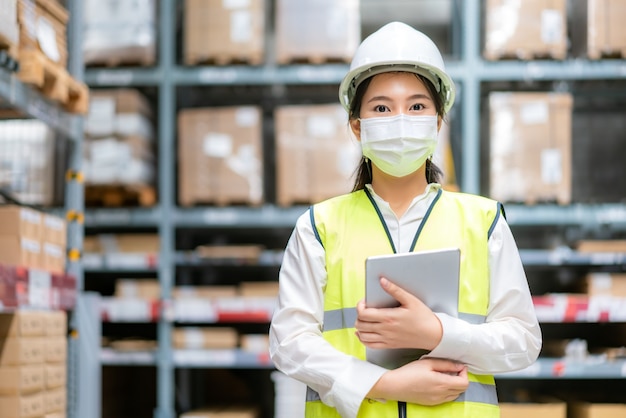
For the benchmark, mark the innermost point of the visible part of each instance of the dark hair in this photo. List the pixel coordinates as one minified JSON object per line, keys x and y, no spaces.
{"x":434,"y":174}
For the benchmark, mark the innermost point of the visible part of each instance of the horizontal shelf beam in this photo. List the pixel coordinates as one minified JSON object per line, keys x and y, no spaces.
{"x":33,"y":104}
{"x":307,"y":74}
{"x":607,"y":214}
{"x":264,"y":216}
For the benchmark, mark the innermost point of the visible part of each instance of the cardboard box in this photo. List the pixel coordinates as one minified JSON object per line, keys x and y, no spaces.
{"x":55,"y":323}
{"x":535,"y":410}
{"x":20,"y":380}
{"x":316,"y":155}
{"x":22,"y":406}
{"x":596,"y":410}
{"x":22,"y":323}
{"x":55,"y":375}
{"x":54,"y":230}
{"x":223,"y":412}
{"x":148,"y":289}
{"x":528,"y":29}
{"x":606,"y":33}
{"x":602,"y":246}
{"x":224,"y":31}
{"x":317,"y":31}
{"x":205,"y":338}
{"x":55,"y":400}
{"x":220,"y":155}
{"x":206,"y":292}
{"x":43,"y":27}
{"x":530,"y":147}
{"x":111,"y":109}
{"x":605,"y":284}
{"x":52,"y":258}
{"x":21,"y":351}
{"x":23,"y":252}
{"x":55,"y":350}
{"x":255,"y":289}
{"x":16,"y":221}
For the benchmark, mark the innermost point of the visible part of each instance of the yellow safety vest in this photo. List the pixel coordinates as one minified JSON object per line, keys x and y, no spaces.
{"x":351,"y":228}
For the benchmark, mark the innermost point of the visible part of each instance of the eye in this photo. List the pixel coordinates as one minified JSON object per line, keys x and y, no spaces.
{"x":417,"y":107}
{"x":381,"y":108}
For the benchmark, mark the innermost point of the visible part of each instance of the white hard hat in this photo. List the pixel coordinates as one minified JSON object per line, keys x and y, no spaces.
{"x":397,"y":47}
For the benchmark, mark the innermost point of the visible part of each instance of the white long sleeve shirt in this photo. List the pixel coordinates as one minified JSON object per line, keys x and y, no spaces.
{"x":510,"y":339}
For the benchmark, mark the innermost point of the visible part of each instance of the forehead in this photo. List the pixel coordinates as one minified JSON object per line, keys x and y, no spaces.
{"x":396,"y":82}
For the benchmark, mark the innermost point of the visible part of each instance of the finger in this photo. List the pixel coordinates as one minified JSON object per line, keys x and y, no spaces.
{"x":446,"y":366}
{"x":396,"y":292}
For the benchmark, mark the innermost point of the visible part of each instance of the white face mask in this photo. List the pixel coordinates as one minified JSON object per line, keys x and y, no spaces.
{"x":399,"y":145}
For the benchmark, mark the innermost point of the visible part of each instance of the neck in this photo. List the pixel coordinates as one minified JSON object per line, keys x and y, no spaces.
{"x":399,"y":192}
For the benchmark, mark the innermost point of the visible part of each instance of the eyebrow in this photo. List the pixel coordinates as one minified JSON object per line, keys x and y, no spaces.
{"x":386,"y":98}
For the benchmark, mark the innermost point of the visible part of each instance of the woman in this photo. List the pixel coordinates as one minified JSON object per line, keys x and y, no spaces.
{"x":397,"y":93}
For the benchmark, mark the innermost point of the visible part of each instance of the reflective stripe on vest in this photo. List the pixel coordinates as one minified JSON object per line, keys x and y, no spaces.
{"x":350,"y":228}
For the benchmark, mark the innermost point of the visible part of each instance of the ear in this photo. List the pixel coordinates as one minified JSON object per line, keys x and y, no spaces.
{"x":355,"y":125}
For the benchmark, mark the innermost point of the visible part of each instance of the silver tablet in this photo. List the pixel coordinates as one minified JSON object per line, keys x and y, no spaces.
{"x":432,"y":276}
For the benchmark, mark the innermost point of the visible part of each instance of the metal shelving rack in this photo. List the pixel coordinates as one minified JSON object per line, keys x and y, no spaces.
{"x":469,"y":72}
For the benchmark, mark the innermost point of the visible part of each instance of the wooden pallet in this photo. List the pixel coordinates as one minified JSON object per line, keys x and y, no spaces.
{"x":224,"y":59}
{"x":526,"y":55}
{"x":287,"y":59}
{"x":120,"y":195}
{"x":53,"y":81}
{"x":606,"y":53}
{"x":141,"y":58}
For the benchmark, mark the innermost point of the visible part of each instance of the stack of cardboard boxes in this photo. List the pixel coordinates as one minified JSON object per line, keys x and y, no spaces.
{"x":316,"y":154}
{"x":224,"y":32}
{"x":119,"y":32}
{"x":33,"y":364}
{"x":31,"y":239}
{"x":526,"y":29}
{"x":43,"y":28}
{"x":606,"y":33}
{"x":530,"y":147}
{"x":220,"y":156}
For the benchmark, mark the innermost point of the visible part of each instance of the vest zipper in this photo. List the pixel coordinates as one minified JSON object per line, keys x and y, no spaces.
{"x":401,"y":409}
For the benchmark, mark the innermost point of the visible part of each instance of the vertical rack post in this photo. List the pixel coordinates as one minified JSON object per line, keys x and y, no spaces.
{"x":470,"y":98}
{"x":84,"y":371}
{"x":166,"y":109}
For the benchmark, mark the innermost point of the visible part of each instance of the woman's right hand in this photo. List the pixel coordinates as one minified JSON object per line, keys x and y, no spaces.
{"x":427,"y":381}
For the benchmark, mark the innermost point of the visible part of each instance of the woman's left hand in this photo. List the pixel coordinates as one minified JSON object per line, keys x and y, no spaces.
{"x":410,"y":325}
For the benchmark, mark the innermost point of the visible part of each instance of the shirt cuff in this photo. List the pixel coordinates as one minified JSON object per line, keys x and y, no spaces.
{"x":351,"y":388}
{"x":456,"y":338}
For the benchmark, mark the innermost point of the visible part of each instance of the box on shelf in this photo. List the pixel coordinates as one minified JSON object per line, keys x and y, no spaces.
{"x":55,"y":350}
{"x":22,"y":351}
{"x":26,"y":150}
{"x":23,"y":252}
{"x":526,"y":29}
{"x":55,"y":323}
{"x":22,"y":323}
{"x":220,"y":156}
{"x":605,"y":284}
{"x":55,"y":375}
{"x":120,"y":112}
{"x":43,"y":28}
{"x":119,"y":32}
{"x":317,"y":31}
{"x":530,"y":147}
{"x":148,"y":289}
{"x":22,"y":406}
{"x":258,"y":289}
{"x":316,"y":154}
{"x":535,"y":410}
{"x":601,"y":246}
{"x":224,"y":32}
{"x":20,"y":380}
{"x":223,"y":412}
{"x":9,"y":29}
{"x":205,"y":338}
{"x":55,"y":400}
{"x":596,"y":410}
{"x":204,"y":292}
{"x":20,"y":221}
{"x":54,"y":230}
{"x":606,"y":34}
